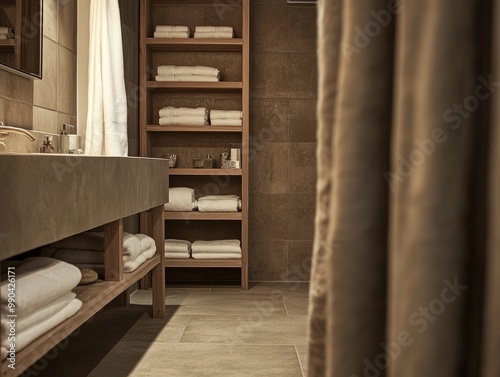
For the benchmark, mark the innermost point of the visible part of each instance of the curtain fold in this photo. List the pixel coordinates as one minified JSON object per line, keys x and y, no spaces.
{"x":398,"y":258}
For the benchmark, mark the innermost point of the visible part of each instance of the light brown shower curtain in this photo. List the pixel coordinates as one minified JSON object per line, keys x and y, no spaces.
{"x":406,"y":267}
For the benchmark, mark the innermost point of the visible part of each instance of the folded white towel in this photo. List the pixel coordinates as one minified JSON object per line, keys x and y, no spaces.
{"x":186,"y":78}
{"x":205,"y":29}
{"x":219,"y":203}
{"x":172,"y":34}
{"x":217,"y":256}
{"x":5,"y":30}
{"x":218,"y":247}
{"x":180,"y":199}
{"x":147,"y":243}
{"x":26,"y":336}
{"x":214,"y":34}
{"x":226,"y":122}
{"x":4,"y":36}
{"x":172,"y":28}
{"x":133,"y":265}
{"x":170,"y":111}
{"x":40,"y":281}
{"x":177,"y":246}
{"x":226,"y":114}
{"x":183,"y":121}
{"x":188,"y":70}
{"x":185,"y":255}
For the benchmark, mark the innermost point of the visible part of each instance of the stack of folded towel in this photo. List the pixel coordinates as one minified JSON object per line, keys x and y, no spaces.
{"x":43,"y":300}
{"x":213,"y":32}
{"x":86,"y":250}
{"x":177,"y":249}
{"x":187,"y":73}
{"x":184,"y":116}
{"x":219,"y":203}
{"x":224,"y":249}
{"x":6,"y":32}
{"x":168,"y":31}
{"x":226,"y":118}
{"x":181,"y":199}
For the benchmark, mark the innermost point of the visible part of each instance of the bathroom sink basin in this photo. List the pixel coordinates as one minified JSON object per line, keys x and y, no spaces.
{"x":47,"y":197}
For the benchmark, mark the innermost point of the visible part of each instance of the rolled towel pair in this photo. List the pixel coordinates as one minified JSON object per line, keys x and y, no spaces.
{"x":223,"y":249}
{"x":214,"y":32}
{"x":170,"y":31}
{"x":177,"y":249}
{"x":219,"y":203}
{"x":181,"y":199}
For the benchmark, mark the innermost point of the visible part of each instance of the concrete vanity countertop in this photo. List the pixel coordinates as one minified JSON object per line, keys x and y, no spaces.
{"x":45,"y":198}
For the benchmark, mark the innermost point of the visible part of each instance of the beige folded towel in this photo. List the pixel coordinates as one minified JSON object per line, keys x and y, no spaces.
{"x":226,"y":114}
{"x":175,"y":70}
{"x":186,"y":78}
{"x":217,"y":247}
{"x":5,"y":30}
{"x":226,"y":122}
{"x":177,"y":246}
{"x":26,"y":336}
{"x":40,"y":281}
{"x":172,"y":34}
{"x":219,"y":203}
{"x":180,"y":199}
{"x":4,"y":36}
{"x":214,"y":34}
{"x":183,"y":121}
{"x":172,"y":28}
{"x":209,"y":29}
{"x":170,"y":111}
{"x":185,"y":255}
{"x":133,"y":265}
{"x":217,"y":256}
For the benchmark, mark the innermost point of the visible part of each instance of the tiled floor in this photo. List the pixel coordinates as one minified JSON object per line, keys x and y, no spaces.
{"x":209,"y":331}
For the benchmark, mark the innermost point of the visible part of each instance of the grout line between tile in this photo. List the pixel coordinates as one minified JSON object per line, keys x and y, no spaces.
{"x":300,"y":362}
{"x":184,"y":330}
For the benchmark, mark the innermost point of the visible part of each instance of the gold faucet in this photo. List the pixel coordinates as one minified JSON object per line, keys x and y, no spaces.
{"x":6,"y":130}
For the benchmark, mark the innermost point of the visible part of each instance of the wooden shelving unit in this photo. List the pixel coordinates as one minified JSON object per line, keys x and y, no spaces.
{"x":234,"y":90}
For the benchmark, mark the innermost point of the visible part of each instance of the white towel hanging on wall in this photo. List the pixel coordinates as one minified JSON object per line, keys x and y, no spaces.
{"x":106,"y":132}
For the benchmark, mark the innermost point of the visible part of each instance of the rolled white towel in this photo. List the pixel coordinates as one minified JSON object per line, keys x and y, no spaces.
{"x":217,"y":256}
{"x":188,"y":70}
{"x":226,"y":122}
{"x":205,"y":29}
{"x":214,"y":34}
{"x":147,"y":243}
{"x":25,"y":337}
{"x":177,"y":246}
{"x":170,"y":111}
{"x":218,"y":247}
{"x":171,"y":28}
{"x":180,"y":199}
{"x":133,"y":265}
{"x":40,"y":281}
{"x":183,"y":121}
{"x":226,"y":114}
{"x":186,"y":78}
{"x":219,"y":203}
{"x":172,"y":34}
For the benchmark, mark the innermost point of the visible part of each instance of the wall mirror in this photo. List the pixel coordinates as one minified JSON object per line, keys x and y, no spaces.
{"x":21,"y":35}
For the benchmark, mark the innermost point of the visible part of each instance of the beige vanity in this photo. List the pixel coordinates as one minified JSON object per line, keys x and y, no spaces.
{"x":45,"y":198}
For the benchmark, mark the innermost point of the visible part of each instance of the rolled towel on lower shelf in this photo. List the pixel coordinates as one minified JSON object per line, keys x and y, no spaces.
{"x":181,"y":199}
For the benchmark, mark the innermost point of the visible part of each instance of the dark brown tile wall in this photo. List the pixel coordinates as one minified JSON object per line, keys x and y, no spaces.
{"x":43,"y":105}
{"x":283,"y":135}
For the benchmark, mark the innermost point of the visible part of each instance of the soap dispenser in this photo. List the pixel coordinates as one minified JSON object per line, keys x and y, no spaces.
{"x":64,"y":139}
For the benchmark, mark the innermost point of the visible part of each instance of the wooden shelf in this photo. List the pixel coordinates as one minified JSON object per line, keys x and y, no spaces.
{"x":222,"y":129}
{"x":94,"y":298}
{"x":194,"y":44}
{"x":203,"y":263}
{"x":231,"y":216}
{"x":188,"y":86}
{"x":205,"y":172}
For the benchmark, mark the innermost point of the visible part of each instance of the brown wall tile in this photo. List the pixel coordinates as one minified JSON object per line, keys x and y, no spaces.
{"x":299,"y":260}
{"x":303,"y":120}
{"x":269,"y":168}
{"x":45,"y":90}
{"x":269,"y":120}
{"x":268,"y":260}
{"x":66,"y":24}
{"x":45,"y":120}
{"x":270,"y":28}
{"x":302,"y":168}
{"x":269,"y":217}
{"x":66,"y":81}
{"x":18,"y":114}
{"x":50,"y":19}
{"x":303,"y":29}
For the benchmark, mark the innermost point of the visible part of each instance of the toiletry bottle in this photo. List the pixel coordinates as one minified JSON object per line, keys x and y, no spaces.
{"x":208,"y":162}
{"x":64,"y":139}
{"x":47,"y":145}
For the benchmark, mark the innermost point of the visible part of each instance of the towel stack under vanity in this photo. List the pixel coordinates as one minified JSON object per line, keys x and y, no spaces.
{"x":226,"y":118}
{"x":168,"y":31}
{"x":6,"y":32}
{"x":184,"y":116}
{"x":187,"y":73}
{"x":214,"y":32}
{"x":223,"y":249}
{"x":43,"y":299}
{"x":86,"y":250}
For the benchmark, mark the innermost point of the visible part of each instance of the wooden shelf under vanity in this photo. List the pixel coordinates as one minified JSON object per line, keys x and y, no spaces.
{"x":233,"y":216}
{"x":195,"y":44}
{"x":205,"y":172}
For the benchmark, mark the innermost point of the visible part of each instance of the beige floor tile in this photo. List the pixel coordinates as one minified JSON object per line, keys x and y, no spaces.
{"x":122,"y":360}
{"x":286,"y":289}
{"x":207,"y":360}
{"x":297,"y":306}
{"x":250,"y":329}
{"x":302,"y":352}
{"x":169,"y":330}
